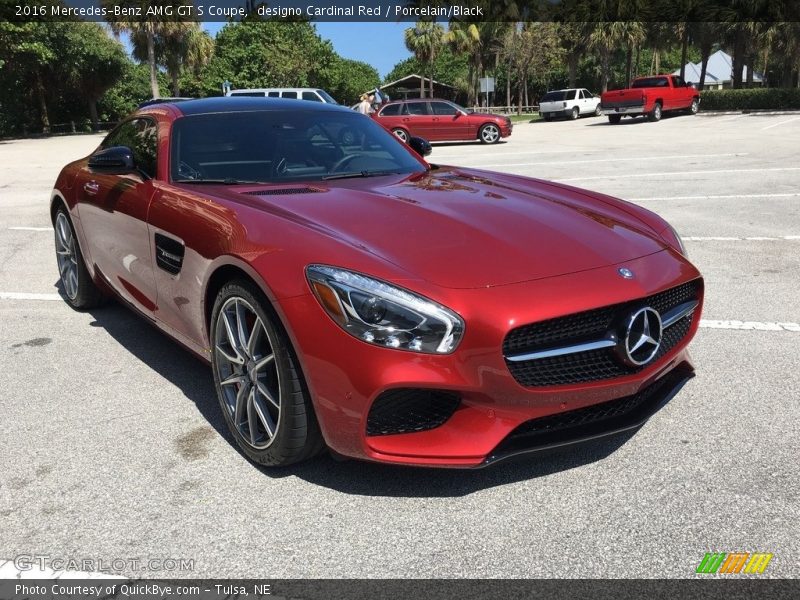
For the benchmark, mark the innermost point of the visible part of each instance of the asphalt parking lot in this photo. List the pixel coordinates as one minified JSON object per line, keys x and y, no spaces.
{"x":112,"y":446}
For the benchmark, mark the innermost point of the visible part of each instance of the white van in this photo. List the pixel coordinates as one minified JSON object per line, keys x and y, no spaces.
{"x":312,"y":94}
{"x":570,"y":103}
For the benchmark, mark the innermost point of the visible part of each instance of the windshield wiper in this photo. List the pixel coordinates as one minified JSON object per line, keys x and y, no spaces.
{"x":225,"y":181}
{"x":354,"y":174}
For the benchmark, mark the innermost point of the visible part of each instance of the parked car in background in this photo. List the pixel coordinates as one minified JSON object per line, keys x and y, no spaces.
{"x":650,"y":96}
{"x":441,"y":121}
{"x":312,"y":94}
{"x":572,"y":103}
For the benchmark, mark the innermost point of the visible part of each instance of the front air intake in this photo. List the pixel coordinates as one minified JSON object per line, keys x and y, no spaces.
{"x":406,"y":410}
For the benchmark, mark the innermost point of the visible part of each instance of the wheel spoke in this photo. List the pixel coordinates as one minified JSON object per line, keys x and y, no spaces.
{"x":255,"y":336}
{"x":264,"y":416}
{"x":239,"y":408}
{"x":263,"y":362}
{"x":251,"y":417}
{"x":233,"y":379}
{"x":230,"y":358}
{"x":262,"y":389}
{"x":241,"y":328}
{"x":72,"y":277}
{"x":232,"y":338}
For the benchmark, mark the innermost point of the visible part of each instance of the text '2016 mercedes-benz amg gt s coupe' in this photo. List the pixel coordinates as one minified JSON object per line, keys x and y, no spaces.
{"x":350,"y":295}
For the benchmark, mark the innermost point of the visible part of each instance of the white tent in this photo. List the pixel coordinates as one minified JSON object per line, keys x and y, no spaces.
{"x":719,"y":72}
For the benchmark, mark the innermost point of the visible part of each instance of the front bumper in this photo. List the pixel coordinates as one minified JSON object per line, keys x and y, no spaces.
{"x":346,"y":376}
{"x":622,"y":110}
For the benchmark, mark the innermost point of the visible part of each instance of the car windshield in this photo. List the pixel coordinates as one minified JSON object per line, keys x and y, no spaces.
{"x":646,"y":82}
{"x":328,"y":98}
{"x":554,"y":96}
{"x":280,"y":145}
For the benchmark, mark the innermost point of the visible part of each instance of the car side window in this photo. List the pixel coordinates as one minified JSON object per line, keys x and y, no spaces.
{"x":289,"y":95}
{"x":587,"y":94}
{"x":678,"y":82}
{"x":417,"y":108}
{"x":391,"y":111}
{"x":141,"y":136}
{"x":273,"y":94}
{"x":443,"y":108}
{"x":311,"y":96}
{"x":580,"y":95}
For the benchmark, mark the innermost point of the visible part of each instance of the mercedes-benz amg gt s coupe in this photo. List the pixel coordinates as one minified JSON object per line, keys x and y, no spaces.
{"x":350,"y":295}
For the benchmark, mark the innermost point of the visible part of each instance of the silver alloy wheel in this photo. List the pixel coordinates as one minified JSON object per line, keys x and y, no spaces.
{"x":401,"y":133}
{"x":597,"y":112}
{"x":67,"y":256}
{"x":695,"y":106}
{"x":490,"y":134}
{"x":248,"y":372}
{"x":657,"y":112}
{"x":576,"y":112}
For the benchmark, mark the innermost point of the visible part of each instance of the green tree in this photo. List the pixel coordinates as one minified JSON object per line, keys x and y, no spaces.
{"x":425,"y":40}
{"x":183,"y":46}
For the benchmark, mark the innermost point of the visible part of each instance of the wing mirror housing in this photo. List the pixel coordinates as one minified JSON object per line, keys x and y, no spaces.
{"x":118,"y":159}
{"x":420,"y":145}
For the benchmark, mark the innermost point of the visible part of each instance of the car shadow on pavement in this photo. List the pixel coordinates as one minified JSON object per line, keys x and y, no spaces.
{"x":193,"y":377}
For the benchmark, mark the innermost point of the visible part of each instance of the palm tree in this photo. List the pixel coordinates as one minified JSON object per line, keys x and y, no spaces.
{"x":465,"y":38}
{"x":425,"y":40}
{"x":180,"y":46}
{"x":143,"y":40}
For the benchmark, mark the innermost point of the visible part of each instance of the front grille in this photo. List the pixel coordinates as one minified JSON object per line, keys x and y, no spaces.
{"x":591,"y":365}
{"x":596,"y":419}
{"x":406,"y":410}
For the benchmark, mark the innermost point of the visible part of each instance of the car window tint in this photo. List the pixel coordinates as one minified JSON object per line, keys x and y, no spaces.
{"x":391,"y":110}
{"x":289,"y":95}
{"x":141,"y":136}
{"x":443,"y":108}
{"x":311,"y":96}
{"x":646,"y":82}
{"x":253,"y":94}
{"x":274,"y":94}
{"x":580,"y":94}
{"x":554,"y":96}
{"x":417,"y":108}
{"x":587,"y":94}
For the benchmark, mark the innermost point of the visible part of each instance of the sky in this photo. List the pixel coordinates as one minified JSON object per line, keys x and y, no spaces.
{"x":379,"y":44}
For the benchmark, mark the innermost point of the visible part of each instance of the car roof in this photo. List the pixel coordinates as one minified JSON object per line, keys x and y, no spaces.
{"x":220,"y":104}
{"x":276,"y":89}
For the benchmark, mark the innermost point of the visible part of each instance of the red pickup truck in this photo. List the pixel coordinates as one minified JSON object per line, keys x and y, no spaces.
{"x":651,"y":96}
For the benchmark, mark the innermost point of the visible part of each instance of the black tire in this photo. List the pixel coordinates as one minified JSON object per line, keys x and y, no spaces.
{"x":79,"y":290}
{"x":614,"y":119}
{"x":297,"y":436}
{"x":655,"y":114}
{"x":576,"y":112}
{"x":401,"y":133}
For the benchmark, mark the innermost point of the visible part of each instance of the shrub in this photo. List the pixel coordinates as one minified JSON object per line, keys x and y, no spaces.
{"x":749,"y":99}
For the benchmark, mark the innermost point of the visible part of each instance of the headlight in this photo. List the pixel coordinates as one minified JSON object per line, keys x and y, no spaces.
{"x":674,"y":240}
{"x":380,"y":313}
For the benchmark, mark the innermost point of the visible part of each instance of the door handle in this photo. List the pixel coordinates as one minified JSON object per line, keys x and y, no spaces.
{"x":91,"y":187}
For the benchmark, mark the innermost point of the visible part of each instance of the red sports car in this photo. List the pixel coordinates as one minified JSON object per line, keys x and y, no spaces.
{"x":441,"y":121}
{"x":353,"y":296}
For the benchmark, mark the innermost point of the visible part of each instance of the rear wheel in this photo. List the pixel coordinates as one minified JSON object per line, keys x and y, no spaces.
{"x":614,"y":119}
{"x":401,"y":133}
{"x":260,"y":388}
{"x":489,"y":134}
{"x":655,"y":114}
{"x":79,"y":289}
{"x":576,"y":112}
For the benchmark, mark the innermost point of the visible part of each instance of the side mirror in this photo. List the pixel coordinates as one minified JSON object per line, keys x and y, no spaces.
{"x":116,"y":158}
{"x":420,"y":145}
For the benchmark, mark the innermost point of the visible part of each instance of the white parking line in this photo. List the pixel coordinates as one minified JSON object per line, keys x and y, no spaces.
{"x":750,"y":325}
{"x":755,"y":238}
{"x":31,"y":228}
{"x":496,"y":154}
{"x":717,"y":197}
{"x":26,"y":296}
{"x":780,"y":123}
{"x":605,"y":160}
{"x":673,"y":173}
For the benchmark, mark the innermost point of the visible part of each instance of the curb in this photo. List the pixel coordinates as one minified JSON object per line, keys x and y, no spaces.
{"x":747,"y":111}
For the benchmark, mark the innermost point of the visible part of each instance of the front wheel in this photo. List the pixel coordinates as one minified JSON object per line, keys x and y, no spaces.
{"x":489,"y":134}
{"x":695,"y":106}
{"x":79,"y":289}
{"x":597,"y":112}
{"x":260,"y":388}
{"x":655,"y":114}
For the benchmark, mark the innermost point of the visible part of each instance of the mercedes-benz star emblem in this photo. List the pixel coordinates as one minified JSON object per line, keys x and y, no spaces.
{"x":642,"y":337}
{"x":626,"y":273}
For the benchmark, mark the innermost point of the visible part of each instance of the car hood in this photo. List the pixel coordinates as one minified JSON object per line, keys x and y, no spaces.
{"x":458,"y":228}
